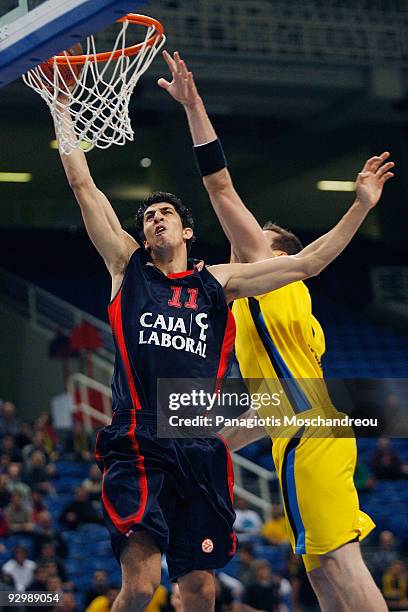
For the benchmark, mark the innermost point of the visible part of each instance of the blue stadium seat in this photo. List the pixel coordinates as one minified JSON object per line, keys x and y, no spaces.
{"x":266,"y":462}
{"x":70,"y":468}
{"x":67,"y":484}
{"x":232,"y":567}
{"x":4,"y":556}
{"x":18,"y":540}
{"x":92,"y":531}
{"x":276,"y":555}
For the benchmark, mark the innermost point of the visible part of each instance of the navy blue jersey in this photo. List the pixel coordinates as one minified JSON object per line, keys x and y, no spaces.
{"x":175,"y":326}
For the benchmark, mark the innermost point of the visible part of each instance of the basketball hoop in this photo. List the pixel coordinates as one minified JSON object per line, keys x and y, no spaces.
{"x":89,"y":94}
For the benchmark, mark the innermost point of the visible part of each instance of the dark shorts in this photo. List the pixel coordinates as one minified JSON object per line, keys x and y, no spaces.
{"x":179,"y":491}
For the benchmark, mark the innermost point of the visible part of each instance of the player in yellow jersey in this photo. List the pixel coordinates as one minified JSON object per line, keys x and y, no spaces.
{"x":279,"y":342}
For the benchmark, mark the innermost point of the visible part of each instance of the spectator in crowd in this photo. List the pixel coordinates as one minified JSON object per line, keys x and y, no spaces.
{"x":395,"y":586}
{"x":5,"y":495}
{"x":79,"y":511}
{"x":39,"y":582}
{"x":303,"y":596}
{"x":4,"y":463}
{"x":274,"y":530}
{"x":48,"y":555}
{"x":248,"y":523}
{"x":38,"y":505}
{"x":385,"y":462}
{"x":384,"y":556}
{"x":20,"y":568}
{"x":9,"y":424}
{"x":79,"y":443}
{"x":37,"y":474}
{"x":99,"y":586}
{"x":246,"y":557}
{"x":36,"y":444}
{"x":53,"y":572}
{"x":104,"y":603}
{"x":16,"y":484}
{"x":45,"y":533}
{"x":54,"y":582}
{"x":67,"y":603}
{"x":93,"y":484}
{"x":43,"y":423}
{"x":18,"y":515}
{"x":25,"y":435}
{"x":268,"y":589}
{"x":363,"y":479}
{"x":9,"y":447}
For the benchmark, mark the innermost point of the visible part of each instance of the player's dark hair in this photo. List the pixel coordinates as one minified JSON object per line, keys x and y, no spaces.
{"x":286,"y":240}
{"x":183,"y":212}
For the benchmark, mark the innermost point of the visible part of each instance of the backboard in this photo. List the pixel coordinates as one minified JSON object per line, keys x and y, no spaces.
{"x":31,"y":31}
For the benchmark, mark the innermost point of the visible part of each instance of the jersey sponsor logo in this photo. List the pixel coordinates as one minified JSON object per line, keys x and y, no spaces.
{"x":207,"y":546}
{"x":183,"y":337}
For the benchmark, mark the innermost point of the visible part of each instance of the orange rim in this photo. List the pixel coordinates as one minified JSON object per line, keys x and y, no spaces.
{"x":134,"y":19}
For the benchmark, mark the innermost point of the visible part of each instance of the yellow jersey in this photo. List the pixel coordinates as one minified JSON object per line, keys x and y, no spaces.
{"x":296,"y":335}
{"x":279,"y":345}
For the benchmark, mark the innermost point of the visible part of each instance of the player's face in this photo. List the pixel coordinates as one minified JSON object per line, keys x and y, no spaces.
{"x":163,"y":228}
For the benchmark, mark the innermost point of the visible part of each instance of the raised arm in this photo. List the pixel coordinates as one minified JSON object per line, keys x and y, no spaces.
{"x":103,"y":227}
{"x":240,"y":226}
{"x":244,"y":280}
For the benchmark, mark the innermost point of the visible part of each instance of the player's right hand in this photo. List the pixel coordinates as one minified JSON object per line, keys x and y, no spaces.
{"x":182,"y":87}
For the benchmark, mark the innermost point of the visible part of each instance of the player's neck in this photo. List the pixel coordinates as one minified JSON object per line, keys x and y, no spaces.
{"x":170,"y":262}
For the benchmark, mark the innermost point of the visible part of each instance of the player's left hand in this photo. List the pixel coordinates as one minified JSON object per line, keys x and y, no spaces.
{"x":182,"y":87}
{"x":372,"y":178}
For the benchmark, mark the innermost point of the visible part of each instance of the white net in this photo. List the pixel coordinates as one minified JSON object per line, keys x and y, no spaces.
{"x":90,"y":103}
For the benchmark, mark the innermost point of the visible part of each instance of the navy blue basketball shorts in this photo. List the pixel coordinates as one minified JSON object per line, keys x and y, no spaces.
{"x":177,"y":490}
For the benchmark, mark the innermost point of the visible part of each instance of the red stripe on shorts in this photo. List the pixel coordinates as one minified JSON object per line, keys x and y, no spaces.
{"x":230,"y":469}
{"x":123,"y":524}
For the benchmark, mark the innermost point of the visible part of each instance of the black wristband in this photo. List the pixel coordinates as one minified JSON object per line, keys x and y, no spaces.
{"x":209,"y":157}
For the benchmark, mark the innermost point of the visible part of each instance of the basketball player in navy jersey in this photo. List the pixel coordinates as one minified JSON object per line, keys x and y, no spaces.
{"x":170,"y":318}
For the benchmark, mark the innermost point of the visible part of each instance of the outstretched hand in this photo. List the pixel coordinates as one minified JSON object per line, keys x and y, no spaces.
{"x":372,"y":178}
{"x":182,"y":87}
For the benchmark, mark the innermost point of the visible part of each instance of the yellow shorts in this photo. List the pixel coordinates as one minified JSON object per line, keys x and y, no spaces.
{"x":320,"y":500}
